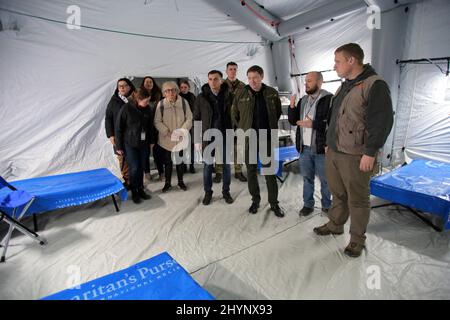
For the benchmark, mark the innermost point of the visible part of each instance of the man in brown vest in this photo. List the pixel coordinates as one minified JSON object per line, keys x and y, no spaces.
{"x":360,"y":121}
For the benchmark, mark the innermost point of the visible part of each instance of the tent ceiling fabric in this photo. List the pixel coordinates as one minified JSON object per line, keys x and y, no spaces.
{"x":291,"y":8}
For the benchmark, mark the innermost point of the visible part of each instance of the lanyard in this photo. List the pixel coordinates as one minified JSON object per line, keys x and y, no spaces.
{"x":310,"y":106}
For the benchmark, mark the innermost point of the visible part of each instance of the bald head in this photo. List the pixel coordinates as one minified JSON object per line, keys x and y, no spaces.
{"x":314,"y":80}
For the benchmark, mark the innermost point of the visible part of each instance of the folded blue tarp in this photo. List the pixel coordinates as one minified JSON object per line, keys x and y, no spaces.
{"x":72,"y":189}
{"x":158,"y":278}
{"x":422,"y":184}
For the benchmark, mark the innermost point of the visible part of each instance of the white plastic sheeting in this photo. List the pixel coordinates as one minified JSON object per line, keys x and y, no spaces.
{"x":422,"y":124}
{"x":314,"y":49}
{"x":231,"y":253}
{"x":57,"y":82}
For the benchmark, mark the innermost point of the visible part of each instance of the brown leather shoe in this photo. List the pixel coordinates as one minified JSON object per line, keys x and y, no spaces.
{"x":354,"y":249}
{"x":324,"y":231}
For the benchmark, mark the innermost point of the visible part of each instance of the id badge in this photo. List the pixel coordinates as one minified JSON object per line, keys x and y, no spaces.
{"x":143,"y":136}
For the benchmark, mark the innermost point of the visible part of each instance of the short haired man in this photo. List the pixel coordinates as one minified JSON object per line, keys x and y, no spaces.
{"x":258,"y":107}
{"x":234,"y":85}
{"x":310,"y":115}
{"x":360,"y":121}
{"x":213,"y":108}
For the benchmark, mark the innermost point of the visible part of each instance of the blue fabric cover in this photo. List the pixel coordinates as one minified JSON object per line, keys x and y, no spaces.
{"x":422,"y":184}
{"x":282,"y":155}
{"x":158,"y":278}
{"x":71,"y":189}
{"x":14,"y":199}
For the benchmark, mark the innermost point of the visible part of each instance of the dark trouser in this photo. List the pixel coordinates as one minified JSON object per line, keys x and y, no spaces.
{"x":168,"y":165}
{"x":192,"y":161}
{"x":252,"y":176}
{"x":226,"y":170}
{"x":237,"y":166}
{"x":253,"y":185}
{"x":158,"y":157}
{"x":136,"y":162}
{"x":147,"y":162}
{"x":351,"y":197}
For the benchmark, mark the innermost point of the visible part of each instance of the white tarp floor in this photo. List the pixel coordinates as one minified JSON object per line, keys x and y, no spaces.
{"x":231,"y":253}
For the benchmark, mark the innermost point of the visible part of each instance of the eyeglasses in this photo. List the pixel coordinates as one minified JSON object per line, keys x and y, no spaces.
{"x":170,"y":90}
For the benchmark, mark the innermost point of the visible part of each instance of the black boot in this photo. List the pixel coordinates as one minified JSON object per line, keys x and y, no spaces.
{"x":240,"y":176}
{"x":135,"y":196}
{"x":191,"y":168}
{"x":167,"y":187}
{"x":277,"y":210}
{"x":207,"y":199}
{"x":182,"y":185}
{"x":168,"y":176}
{"x":180,"y":171}
{"x":217,"y":178}
{"x":254,"y":208}
{"x":143,"y":194}
{"x":227,"y":197}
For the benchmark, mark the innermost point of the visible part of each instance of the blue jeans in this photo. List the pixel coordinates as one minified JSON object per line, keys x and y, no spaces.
{"x":207,"y":175}
{"x":136,"y":158}
{"x":312,"y":164}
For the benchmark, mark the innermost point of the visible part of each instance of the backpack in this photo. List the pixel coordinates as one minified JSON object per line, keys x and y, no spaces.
{"x":161,"y":108}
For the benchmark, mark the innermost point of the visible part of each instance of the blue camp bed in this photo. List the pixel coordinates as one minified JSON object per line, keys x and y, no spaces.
{"x":158,"y":278}
{"x":422,"y":185}
{"x":72,"y":189}
{"x":284,"y":156}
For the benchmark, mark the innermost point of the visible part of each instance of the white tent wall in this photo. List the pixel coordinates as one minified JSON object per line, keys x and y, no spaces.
{"x":422,"y":119}
{"x":59,"y":81}
{"x":388,"y":43}
{"x":314,"y":48}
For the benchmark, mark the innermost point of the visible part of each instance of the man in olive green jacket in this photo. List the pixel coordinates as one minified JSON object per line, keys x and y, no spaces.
{"x":258,"y":107}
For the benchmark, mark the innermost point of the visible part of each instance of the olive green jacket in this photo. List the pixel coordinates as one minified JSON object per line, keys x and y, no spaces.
{"x":244,"y":105}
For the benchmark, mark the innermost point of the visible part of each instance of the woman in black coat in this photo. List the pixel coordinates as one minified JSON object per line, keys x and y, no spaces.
{"x":134,"y":137}
{"x":190,"y":97}
{"x":124,"y":89}
{"x":152,"y":87}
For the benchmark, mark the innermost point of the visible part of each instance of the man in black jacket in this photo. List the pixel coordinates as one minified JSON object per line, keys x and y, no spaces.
{"x":123,"y":90}
{"x":310,"y":115}
{"x":213,"y":108}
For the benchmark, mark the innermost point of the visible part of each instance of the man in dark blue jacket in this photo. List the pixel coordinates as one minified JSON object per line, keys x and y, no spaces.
{"x":213,"y":108}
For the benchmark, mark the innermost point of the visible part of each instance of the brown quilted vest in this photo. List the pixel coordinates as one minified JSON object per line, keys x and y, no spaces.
{"x":351,"y":129}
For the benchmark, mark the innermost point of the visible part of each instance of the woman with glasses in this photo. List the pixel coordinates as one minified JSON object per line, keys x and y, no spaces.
{"x":124,"y":89}
{"x":173,"y":119}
